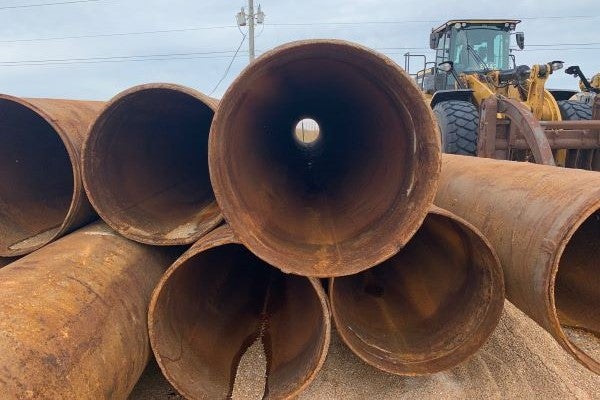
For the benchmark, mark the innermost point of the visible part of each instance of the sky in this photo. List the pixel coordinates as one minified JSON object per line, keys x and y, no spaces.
{"x":91,"y":48}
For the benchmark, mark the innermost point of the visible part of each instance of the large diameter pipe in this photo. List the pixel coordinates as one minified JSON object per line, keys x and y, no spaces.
{"x":545,"y":224}
{"x":145,"y":164}
{"x":41,"y":192}
{"x":347,"y":200}
{"x":73,"y":317}
{"x":428,"y":308}
{"x":217,"y":300}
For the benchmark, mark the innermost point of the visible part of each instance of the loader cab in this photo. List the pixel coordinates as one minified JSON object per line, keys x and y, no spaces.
{"x":473,"y":46}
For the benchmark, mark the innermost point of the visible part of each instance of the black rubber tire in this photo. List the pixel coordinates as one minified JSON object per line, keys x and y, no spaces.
{"x":574,"y":110}
{"x":459,"y":122}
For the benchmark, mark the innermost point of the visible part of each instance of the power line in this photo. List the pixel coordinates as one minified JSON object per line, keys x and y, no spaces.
{"x":114,"y":57}
{"x":114,"y":61}
{"x":57,"y":3}
{"x":353,"y":23}
{"x":561,"y":17}
{"x":564,"y":48}
{"x":417,"y":21}
{"x":210,"y":54}
{"x":229,"y":66}
{"x":564,"y":44}
{"x":200,"y":28}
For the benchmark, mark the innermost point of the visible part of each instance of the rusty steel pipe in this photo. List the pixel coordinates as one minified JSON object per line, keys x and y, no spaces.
{"x":145,"y":164}
{"x":428,"y":308}
{"x":41,"y":193}
{"x":573,"y":124}
{"x":73,"y":317}
{"x":571,"y":140}
{"x":348,"y":200}
{"x":216,"y":300}
{"x":545,"y":225}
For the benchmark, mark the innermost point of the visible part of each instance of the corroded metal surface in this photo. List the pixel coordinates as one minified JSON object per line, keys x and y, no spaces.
{"x":145,"y":164}
{"x":73,"y":317}
{"x":350,"y":199}
{"x":544,"y":222}
{"x":217,"y":300}
{"x":429,"y":307}
{"x":41,"y":192}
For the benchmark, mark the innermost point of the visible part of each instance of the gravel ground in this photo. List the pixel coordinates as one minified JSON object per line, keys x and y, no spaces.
{"x":520,"y":361}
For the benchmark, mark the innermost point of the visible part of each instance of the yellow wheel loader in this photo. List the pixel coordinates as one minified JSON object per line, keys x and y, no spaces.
{"x":488,"y":106}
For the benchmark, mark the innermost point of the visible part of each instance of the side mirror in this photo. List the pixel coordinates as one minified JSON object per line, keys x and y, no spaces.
{"x":520,"y":36}
{"x":446,"y":66}
{"x":573,"y":70}
{"x":433,"y":41}
{"x":556,"y":65}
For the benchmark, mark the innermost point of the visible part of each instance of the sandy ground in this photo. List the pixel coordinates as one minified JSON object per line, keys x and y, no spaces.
{"x":520,"y":361}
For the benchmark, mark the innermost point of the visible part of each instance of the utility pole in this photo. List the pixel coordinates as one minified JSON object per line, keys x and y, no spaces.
{"x":251,"y":19}
{"x":251,"y":29}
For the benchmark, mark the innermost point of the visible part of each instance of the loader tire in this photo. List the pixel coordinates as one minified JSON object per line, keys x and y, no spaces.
{"x":458,"y":121}
{"x":574,"y":110}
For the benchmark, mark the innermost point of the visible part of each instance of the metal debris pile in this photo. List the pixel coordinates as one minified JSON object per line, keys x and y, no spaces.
{"x":223,"y":233}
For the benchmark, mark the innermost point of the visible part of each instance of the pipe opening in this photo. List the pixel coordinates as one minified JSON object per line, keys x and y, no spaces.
{"x":307,"y":132}
{"x":369,"y":177}
{"x":36,"y":179}
{"x":426,"y":309}
{"x":219,"y":303}
{"x":577,"y":288}
{"x":146,"y":168}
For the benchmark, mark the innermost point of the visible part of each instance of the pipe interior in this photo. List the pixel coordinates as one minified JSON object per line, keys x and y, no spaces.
{"x":36,"y":178}
{"x":216,"y":304}
{"x":150,"y":168}
{"x":577,"y":286}
{"x":352,"y":180}
{"x":416,"y":312}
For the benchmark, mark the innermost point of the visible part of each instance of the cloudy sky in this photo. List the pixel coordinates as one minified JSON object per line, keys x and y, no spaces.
{"x":92,"y":49}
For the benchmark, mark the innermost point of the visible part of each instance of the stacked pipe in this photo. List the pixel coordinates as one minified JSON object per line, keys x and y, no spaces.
{"x":351,"y":201}
{"x":144,"y":165}
{"x":545,"y":224}
{"x":73,"y":313}
{"x":41,"y":192}
{"x":413,"y":288}
{"x":73,"y":316}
